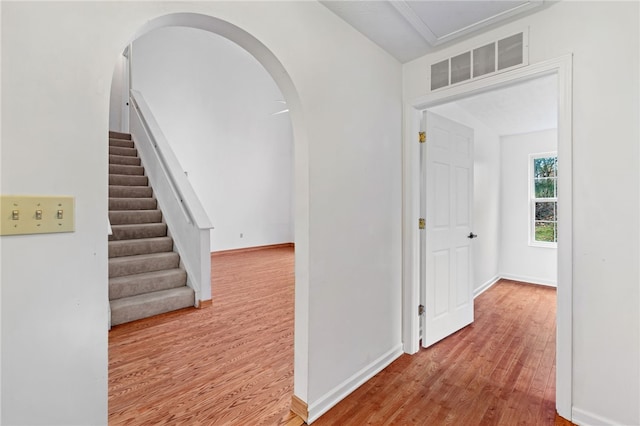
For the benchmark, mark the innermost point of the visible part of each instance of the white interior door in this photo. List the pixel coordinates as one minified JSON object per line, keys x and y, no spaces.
{"x":446,"y":242}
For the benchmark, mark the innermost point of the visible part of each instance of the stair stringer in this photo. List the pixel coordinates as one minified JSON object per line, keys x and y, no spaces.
{"x":186,"y":219}
{"x":190,"y":281}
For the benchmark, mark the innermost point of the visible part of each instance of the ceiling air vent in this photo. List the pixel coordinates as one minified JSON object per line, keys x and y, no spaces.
{"x":479,"y":62}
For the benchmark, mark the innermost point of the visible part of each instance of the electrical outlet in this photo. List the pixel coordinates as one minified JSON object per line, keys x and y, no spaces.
{"x":33,"y":214}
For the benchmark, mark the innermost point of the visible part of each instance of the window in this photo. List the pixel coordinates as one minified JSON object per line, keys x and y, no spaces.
{"x":544,"y":200}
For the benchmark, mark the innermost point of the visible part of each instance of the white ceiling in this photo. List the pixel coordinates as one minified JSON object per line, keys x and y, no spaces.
{"x":410,"y":29}
{"x":522,"y":108}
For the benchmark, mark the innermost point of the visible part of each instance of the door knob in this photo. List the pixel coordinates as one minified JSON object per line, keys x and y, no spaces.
{"x":472,"y":235}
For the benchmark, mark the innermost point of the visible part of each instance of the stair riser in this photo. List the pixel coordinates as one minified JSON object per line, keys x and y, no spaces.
{"x":122,"y":159}
{"x":121,"y":314}
{"x":132,"y":204}
{"x":119,"y":135}
{"x":121,"y":143}
{"x":118,"y":150}
{"x":121,"y":169}
{"x":130,"y":191}
{"x":128,"y":217}
{"x":142,"y":246}
{"x":128,"y":180}
{"x":134,"y":285}
{"x":124,"y":232}
{"x":123,"y":266}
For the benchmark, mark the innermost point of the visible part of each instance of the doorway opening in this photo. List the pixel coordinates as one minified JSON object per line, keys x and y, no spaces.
{"x":560,"y":69}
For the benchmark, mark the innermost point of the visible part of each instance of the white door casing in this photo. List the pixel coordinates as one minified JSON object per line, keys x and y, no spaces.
{"x":563,"y":68}
{"x":446,"y":245}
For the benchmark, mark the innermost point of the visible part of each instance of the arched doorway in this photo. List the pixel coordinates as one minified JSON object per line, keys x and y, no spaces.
{"x":300,"y":162}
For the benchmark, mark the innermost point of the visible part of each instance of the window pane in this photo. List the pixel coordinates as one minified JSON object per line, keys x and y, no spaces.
{"x":546,"y":211}
{"x":545,"y":187}
{"x":545,"y":167}
{"x":546,"y":231}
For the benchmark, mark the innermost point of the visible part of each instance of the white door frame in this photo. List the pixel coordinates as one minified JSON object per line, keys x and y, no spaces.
{"x":562,"y":67}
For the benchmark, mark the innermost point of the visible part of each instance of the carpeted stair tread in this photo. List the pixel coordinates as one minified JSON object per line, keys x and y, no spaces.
{"x":118,"y":191}
{"x":124,"y":169}
{"x":133,"y":285}
{"x":145,"y":305}
{"x":119,"y":150}
{"x":128,"y":180}
{"x":124,"y":159}
{"x":124,"y":217}
{"x":140,"y":246}
{"x":132,"y":203}
{"x":119,"y":135}
{"x":142,"y":230}
{"x":130,"y":265}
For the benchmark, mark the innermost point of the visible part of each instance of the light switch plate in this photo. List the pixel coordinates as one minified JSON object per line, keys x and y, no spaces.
{"x":36,"y":214}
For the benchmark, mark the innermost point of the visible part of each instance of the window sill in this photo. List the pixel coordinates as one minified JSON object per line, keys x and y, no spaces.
{"x":543,"y":245}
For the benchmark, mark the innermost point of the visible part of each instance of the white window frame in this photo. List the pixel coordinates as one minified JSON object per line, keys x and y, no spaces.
{"x":533,"y":201}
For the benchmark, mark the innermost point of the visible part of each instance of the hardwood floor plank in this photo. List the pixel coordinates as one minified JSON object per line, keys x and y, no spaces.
{"x":232,"y":363}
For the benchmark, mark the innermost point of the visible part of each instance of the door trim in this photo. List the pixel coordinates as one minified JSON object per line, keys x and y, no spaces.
{"x":562,"y":67}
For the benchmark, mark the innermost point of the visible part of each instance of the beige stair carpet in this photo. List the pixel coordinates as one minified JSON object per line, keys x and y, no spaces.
{"x":145,"y":276}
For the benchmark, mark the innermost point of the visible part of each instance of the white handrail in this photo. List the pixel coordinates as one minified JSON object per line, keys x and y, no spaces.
{"x":180,"y":186}
{"x":186,"y":219}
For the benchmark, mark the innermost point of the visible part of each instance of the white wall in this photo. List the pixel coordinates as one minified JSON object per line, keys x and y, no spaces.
{"x":519,"y":260}
{"x":116,"y":98}
{"x":55,"y":117}
{"x":486,"y":189}
{"x":214,"y":103}
{"x":604,"y":40}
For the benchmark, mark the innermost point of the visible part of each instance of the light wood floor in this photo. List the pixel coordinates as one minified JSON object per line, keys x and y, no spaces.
{"x":228,"y":364}
{"x":498,"y":371}
{"x":232,"y":363}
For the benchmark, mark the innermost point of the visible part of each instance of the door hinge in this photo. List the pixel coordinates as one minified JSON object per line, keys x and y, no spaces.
{"x":421,"y":223}
{"x":422,"y":137}
{"x":420,"y":309}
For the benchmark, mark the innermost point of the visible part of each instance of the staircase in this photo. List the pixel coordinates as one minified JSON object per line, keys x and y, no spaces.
{"x":145,"y":276}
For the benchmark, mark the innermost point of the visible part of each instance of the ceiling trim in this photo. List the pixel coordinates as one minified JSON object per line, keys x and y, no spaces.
{"x":405,"y":10}
{"x":414,"y":20}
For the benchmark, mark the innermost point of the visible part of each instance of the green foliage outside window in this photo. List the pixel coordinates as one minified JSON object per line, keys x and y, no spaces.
{"x":545,"y":186}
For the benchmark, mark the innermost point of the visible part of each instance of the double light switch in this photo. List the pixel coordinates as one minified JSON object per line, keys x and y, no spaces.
{"x":33,"y":214}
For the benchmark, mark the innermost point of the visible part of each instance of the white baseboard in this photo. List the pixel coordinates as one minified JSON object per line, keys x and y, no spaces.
{"x":530,"y":280}
{"x":585,"y":418}
{"x":337,"y":394}
{"x":486,"y":286}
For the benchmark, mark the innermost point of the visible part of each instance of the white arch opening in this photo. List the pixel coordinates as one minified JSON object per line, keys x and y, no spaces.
{"x":300,"y":165}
